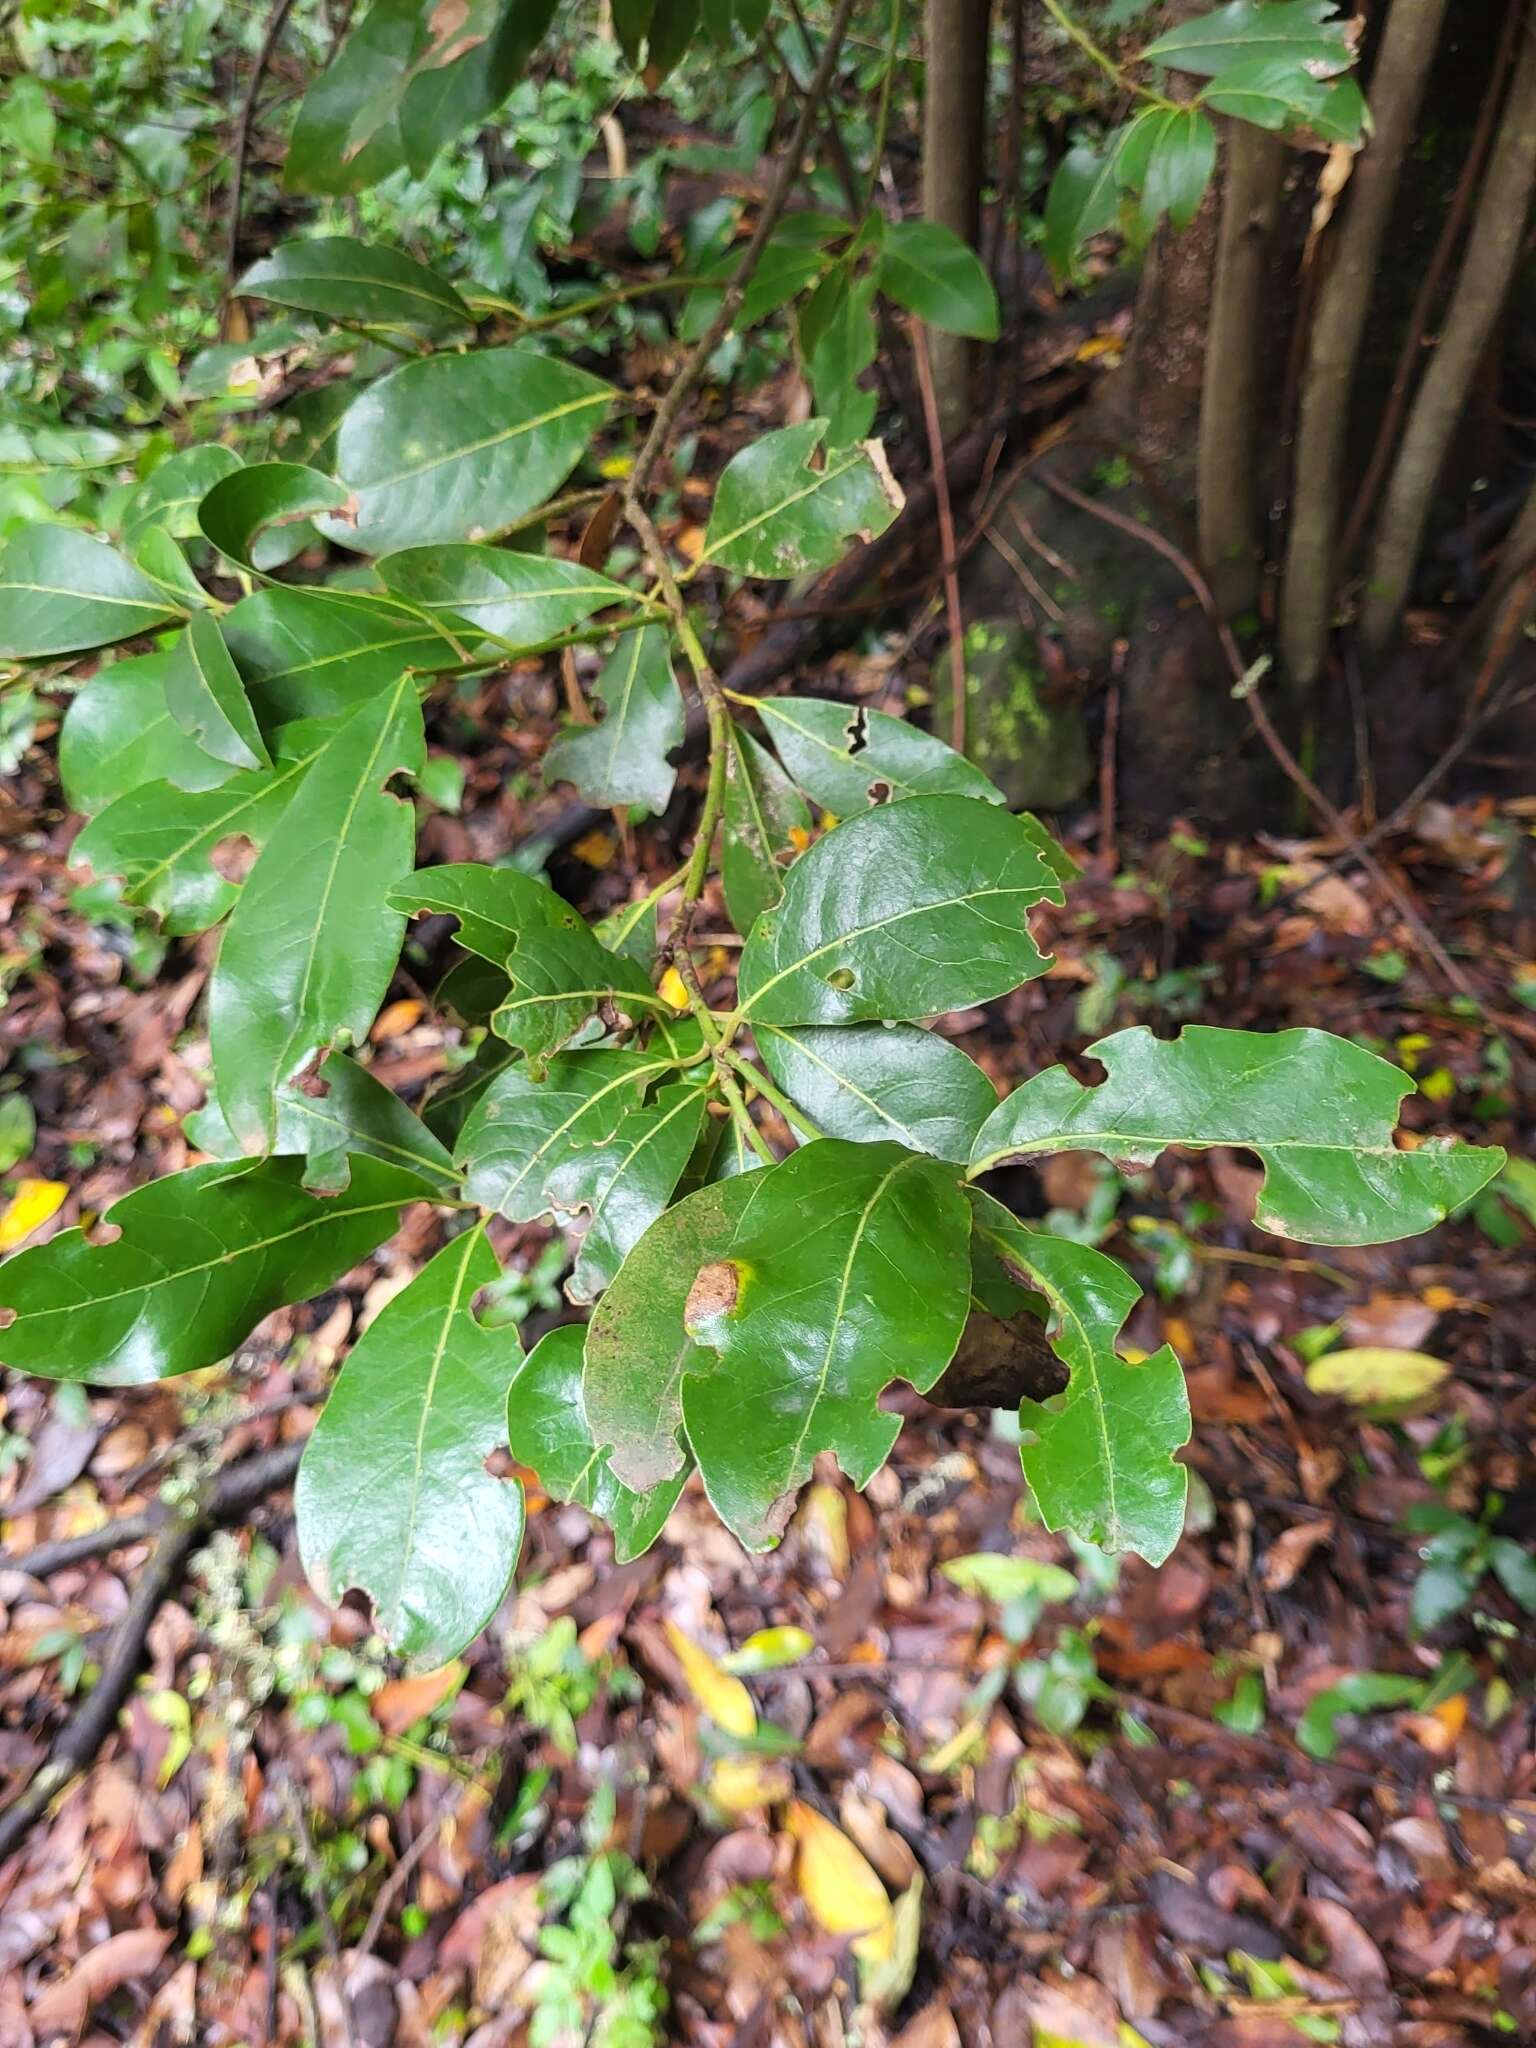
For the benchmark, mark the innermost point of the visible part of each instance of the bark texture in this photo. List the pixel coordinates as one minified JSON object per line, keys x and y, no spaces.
{"x":954,"y":141}
{"x":1492,"y":253}
{"x":1398,"y":83}
{"x":1231,"y":537}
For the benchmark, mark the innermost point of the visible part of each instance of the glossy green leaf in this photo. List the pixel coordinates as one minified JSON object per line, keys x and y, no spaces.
{"x":470,"y":61}
{"x":247,"y":516}
{"x":198,"y":1259}
{"x":905,"y":911}
{"x":929,"y":270}
{"x":206,"y":697}
{"x":1360,"y":1692}
{"x":561,"y":978}
{"x":1102,"y":1458}
{"x":62,"y":592}
{"x":777,"y":514}
{"x":623,"y":760}
{"x":495,"y":907}
{"x":1271,"y":92}
{"x":338,"y":143}
{"x":1311,"y":34}
{"x":348,"y":280}
{"x":459,"y":448}
{"x":581,"y":1141}
{"x":164,"y":562}
{"x":1083,"y":201}
{"x":521,"y":599}
{"x":350,"y":1112}
{"x":867,"y":1082}
{"x":847,"y":757}
{"x":1318,"y":1111}
{"x":849,"y":1267}
{"x":765,"y":819}
{"x":312,"y":943}
{"x":393,"y":1495}
{"x":840,"y":340}
{"x":550,"y":1435}
{"x":163,"y":841}
{"x":118,"y":734}
{"x":1180,"y":163}
{"x":637,"y":1348}
{"x":315,"y":653}
{"x":170,"y":495}
{"x":447,"y":1108}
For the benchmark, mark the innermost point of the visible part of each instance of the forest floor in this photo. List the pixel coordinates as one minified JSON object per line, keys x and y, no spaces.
{"x":1118,"y":1805}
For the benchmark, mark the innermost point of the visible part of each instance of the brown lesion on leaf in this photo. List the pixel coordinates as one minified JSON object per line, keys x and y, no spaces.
{"x":1000,"y":1361}
{"x":715,"y":1292}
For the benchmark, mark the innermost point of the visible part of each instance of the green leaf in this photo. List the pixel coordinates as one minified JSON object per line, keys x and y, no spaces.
{"x":393,"y":1495}
{"x":248,"y":514}
{"x":992,"y":1576}
{"x":170,"y":495}
{"x":1317,"y":1110}
{"x":1362,"y":1692}
{"x":460,"y":447}
{"x":777,"y":515}
{"x":838,"y":334}
{"x":349,"y":1113}
{"x":312,"y":653}
{"x":1102,"y":1460}
{"x":905,"y":911}
{"x":165,"y":563}
{"x":1084,"y":201}
{"x":624,"y":759}
{"x":338,"y":144}
{"x":118,"y":734}
{"x":198,"y":1259}
{"x":867,"y":1082}
{"x":672,"y":27}
{"x":162,"y":840}
{"x":63,"y":593}
{"x":207,"y":699}
{"x":521,"y":599}
{"x":637,"y":1348}
{"x":348,"y":280}
{"x":1441,"y":1590}
{"x":765,"y":817}
{"x":550,"y":1435}
{"x":849,"y":1267}
{"x":467,"y":69}
{"x":1307,"y":33}
{"x":929,"y":270}
{"x":1344,"y":115}
{"x":582,"y":1140}
{"x":495,"y":907}
{"x":1179,"y":168}
{"x":1271,"y":92}
{"x":312,"y":943}
{"x":1514,"y":1566}
{"x":561,"y":978}
{"x":846,"y":757}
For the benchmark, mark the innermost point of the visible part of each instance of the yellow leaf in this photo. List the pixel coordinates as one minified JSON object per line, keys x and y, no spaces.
{"x":1375,"y":1376}
{"x":1441,"y":1299}
{"x":615,"y":467}
{"x":29,"y":1209}
{"x":672,"y":989}
{"x":886,"y":1978}
{"x":837,"y":1883}
{"x":596,"y":849}
{"x":745,"y":1784}
{"x":725,"y":1699}
{"x":769,"y":1649}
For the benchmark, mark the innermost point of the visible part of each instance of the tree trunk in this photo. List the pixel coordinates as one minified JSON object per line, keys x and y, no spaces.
{"x":1397,"y":91}
{"x":954,"y":142}
{"x":1492,"y":253}
{"x":1231,"y":539}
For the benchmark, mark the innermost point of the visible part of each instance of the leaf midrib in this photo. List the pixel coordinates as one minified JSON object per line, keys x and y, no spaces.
{"x":560,"y":412}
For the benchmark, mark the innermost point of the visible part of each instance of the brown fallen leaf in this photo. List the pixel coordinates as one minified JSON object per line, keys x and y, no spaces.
{"x":1289,"y":1552}
{"x":63,"y":2006}
{"x":401,"y":1702}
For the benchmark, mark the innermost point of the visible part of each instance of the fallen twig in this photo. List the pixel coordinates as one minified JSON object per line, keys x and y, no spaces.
{"x":234,"y":1491}
{"x":946,"y":536}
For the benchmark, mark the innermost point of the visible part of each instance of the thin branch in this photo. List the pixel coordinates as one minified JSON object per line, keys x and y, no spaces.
{"x":1428,"y":944}
{"x":730,"y":303}
{"x":946,"y":536}
{"x":240,"y":148}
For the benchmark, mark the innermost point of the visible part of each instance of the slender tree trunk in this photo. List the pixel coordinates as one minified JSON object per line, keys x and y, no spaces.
{"x":954,"y":141}
{"x":1397,"y":91}
{"x":1231,"y":542}
{"x":1492,"y":253}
